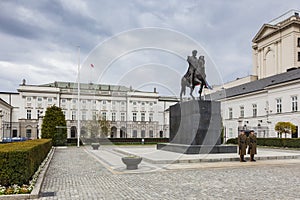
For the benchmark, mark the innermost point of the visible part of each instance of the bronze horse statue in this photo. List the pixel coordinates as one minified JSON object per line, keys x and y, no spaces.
{"x":197,"y":80}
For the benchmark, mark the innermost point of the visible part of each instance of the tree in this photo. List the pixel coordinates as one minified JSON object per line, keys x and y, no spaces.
{"x":285,"y":127}
{"x":99,"y":127}
{"x":93,"y":128}
{"x":104,"y":127}
{"x":54,"y":126}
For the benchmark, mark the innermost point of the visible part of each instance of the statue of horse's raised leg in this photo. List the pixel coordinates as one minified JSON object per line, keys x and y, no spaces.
{"x":200,"y":90}
{"x":191,"y":92}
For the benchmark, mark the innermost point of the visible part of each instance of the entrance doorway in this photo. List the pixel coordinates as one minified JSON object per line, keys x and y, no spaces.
{"x":73,"y":131}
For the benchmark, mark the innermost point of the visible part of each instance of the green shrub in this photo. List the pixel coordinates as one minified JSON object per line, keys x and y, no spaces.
{"x":20,"y":160}
{"x":274,"y":142}
{"x":232,"y":141}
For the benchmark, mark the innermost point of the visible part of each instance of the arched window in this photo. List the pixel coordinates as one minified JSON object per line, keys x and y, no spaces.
{"x":73,"y":131}
{"x":113,"y":132}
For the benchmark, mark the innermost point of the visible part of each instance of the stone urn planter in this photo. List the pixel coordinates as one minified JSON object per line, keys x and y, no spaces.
{"x":132,"y":162}
{"x":95,"y":146}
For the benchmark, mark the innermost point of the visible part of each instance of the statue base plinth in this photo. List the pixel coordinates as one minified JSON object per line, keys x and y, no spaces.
{"x":195,"y":128}
{"x":197,"y":149}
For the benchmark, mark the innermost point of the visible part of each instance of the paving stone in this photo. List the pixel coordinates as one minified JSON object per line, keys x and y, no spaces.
{"x":74,"y":173}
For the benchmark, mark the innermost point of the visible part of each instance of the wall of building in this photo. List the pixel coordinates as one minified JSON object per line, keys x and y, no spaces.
{"x":130,"y":113}
{"x":276,"y":49}
{"x":5,"y":115}
{"x":267,"y":113}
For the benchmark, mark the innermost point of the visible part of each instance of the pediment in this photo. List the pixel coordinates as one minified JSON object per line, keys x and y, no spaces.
{"x":265,"y":30}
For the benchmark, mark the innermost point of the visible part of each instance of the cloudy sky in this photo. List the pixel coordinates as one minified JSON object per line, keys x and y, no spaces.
{"x":132,"y":42}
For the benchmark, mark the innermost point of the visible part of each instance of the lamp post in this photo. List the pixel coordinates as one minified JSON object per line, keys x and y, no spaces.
{"x":1,"y":123}
{"x":78,"y":100}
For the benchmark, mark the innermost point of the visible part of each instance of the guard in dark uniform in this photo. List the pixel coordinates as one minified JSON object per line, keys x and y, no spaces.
{"x":252,"y":141}
{"x":242,"y":142}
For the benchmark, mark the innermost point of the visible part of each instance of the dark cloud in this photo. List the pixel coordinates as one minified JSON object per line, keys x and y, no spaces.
{"x":42,"y":36}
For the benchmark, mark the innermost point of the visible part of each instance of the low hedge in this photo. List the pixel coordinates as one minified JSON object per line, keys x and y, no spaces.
{"x":125,"y":141}
{"x":275,"y":142}
{"x":20,"y":160}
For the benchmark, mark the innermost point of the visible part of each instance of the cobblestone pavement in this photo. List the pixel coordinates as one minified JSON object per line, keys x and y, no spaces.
{"x":75,"y":174}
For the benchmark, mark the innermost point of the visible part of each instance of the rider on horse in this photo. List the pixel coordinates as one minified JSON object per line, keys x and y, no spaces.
{"x":194,"y":76}
{"x":196,"y":72}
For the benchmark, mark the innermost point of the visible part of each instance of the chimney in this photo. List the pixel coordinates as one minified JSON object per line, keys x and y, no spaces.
{"x":154,"y":90}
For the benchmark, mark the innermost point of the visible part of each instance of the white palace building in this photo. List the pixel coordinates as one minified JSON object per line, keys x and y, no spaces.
{"x":255,"y":102}
{"x":131,"y":113}
{"x":272,"y":93}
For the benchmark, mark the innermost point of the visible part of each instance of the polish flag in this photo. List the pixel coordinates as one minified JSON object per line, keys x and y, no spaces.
{"x":92,"y":65}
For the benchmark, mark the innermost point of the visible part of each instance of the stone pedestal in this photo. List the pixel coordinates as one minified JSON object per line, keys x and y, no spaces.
{"x":195,"y":128}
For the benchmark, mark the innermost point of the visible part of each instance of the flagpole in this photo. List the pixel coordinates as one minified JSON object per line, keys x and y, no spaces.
{"x":78,"y":99}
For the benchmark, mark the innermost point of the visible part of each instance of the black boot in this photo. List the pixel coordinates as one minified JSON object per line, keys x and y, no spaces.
{"x":242,"y":158}
{"x":252,"y":158}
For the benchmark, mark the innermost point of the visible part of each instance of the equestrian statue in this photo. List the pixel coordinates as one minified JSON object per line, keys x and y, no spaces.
{"x":194,"y":76}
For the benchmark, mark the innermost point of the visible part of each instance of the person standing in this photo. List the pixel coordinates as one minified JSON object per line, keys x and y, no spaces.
{"x":242,"y":142}
{"x":252,"y":140}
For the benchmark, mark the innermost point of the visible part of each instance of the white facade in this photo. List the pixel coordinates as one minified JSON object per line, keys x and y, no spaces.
{"x":276,"y":47}
{"x":130,"y":113}
{"x":5,"y":118}
{"x":274,"y":96}
{"x":261,"y":110}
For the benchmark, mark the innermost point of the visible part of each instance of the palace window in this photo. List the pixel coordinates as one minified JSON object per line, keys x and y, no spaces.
{"x":294,"y":103}
{"x":151,"y":133}
{"x":254,"y":110}
{"x":230,"y":133}
{"x":278,"y":105}
{"x":74,"y":115}
{"x":28,"y":133}
{"x":142,"y":117}
{"x":40,"y":102}
{"x":134,"y":117}
{"x":242,"y":111}
{"x":299,"y":56}
{"x":143,"y":133}
{"x":113,"y":117}
{"x":230,"y":113}
{"x":150,"y":117}
{"x":28,"y":114}
{"x":104,"y":115}
{"x":298,"y":42}
{"x":94,"y":116}
{"x":83,"y":115}
{"x":134,"y":133}
{"x":122,"y":117}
